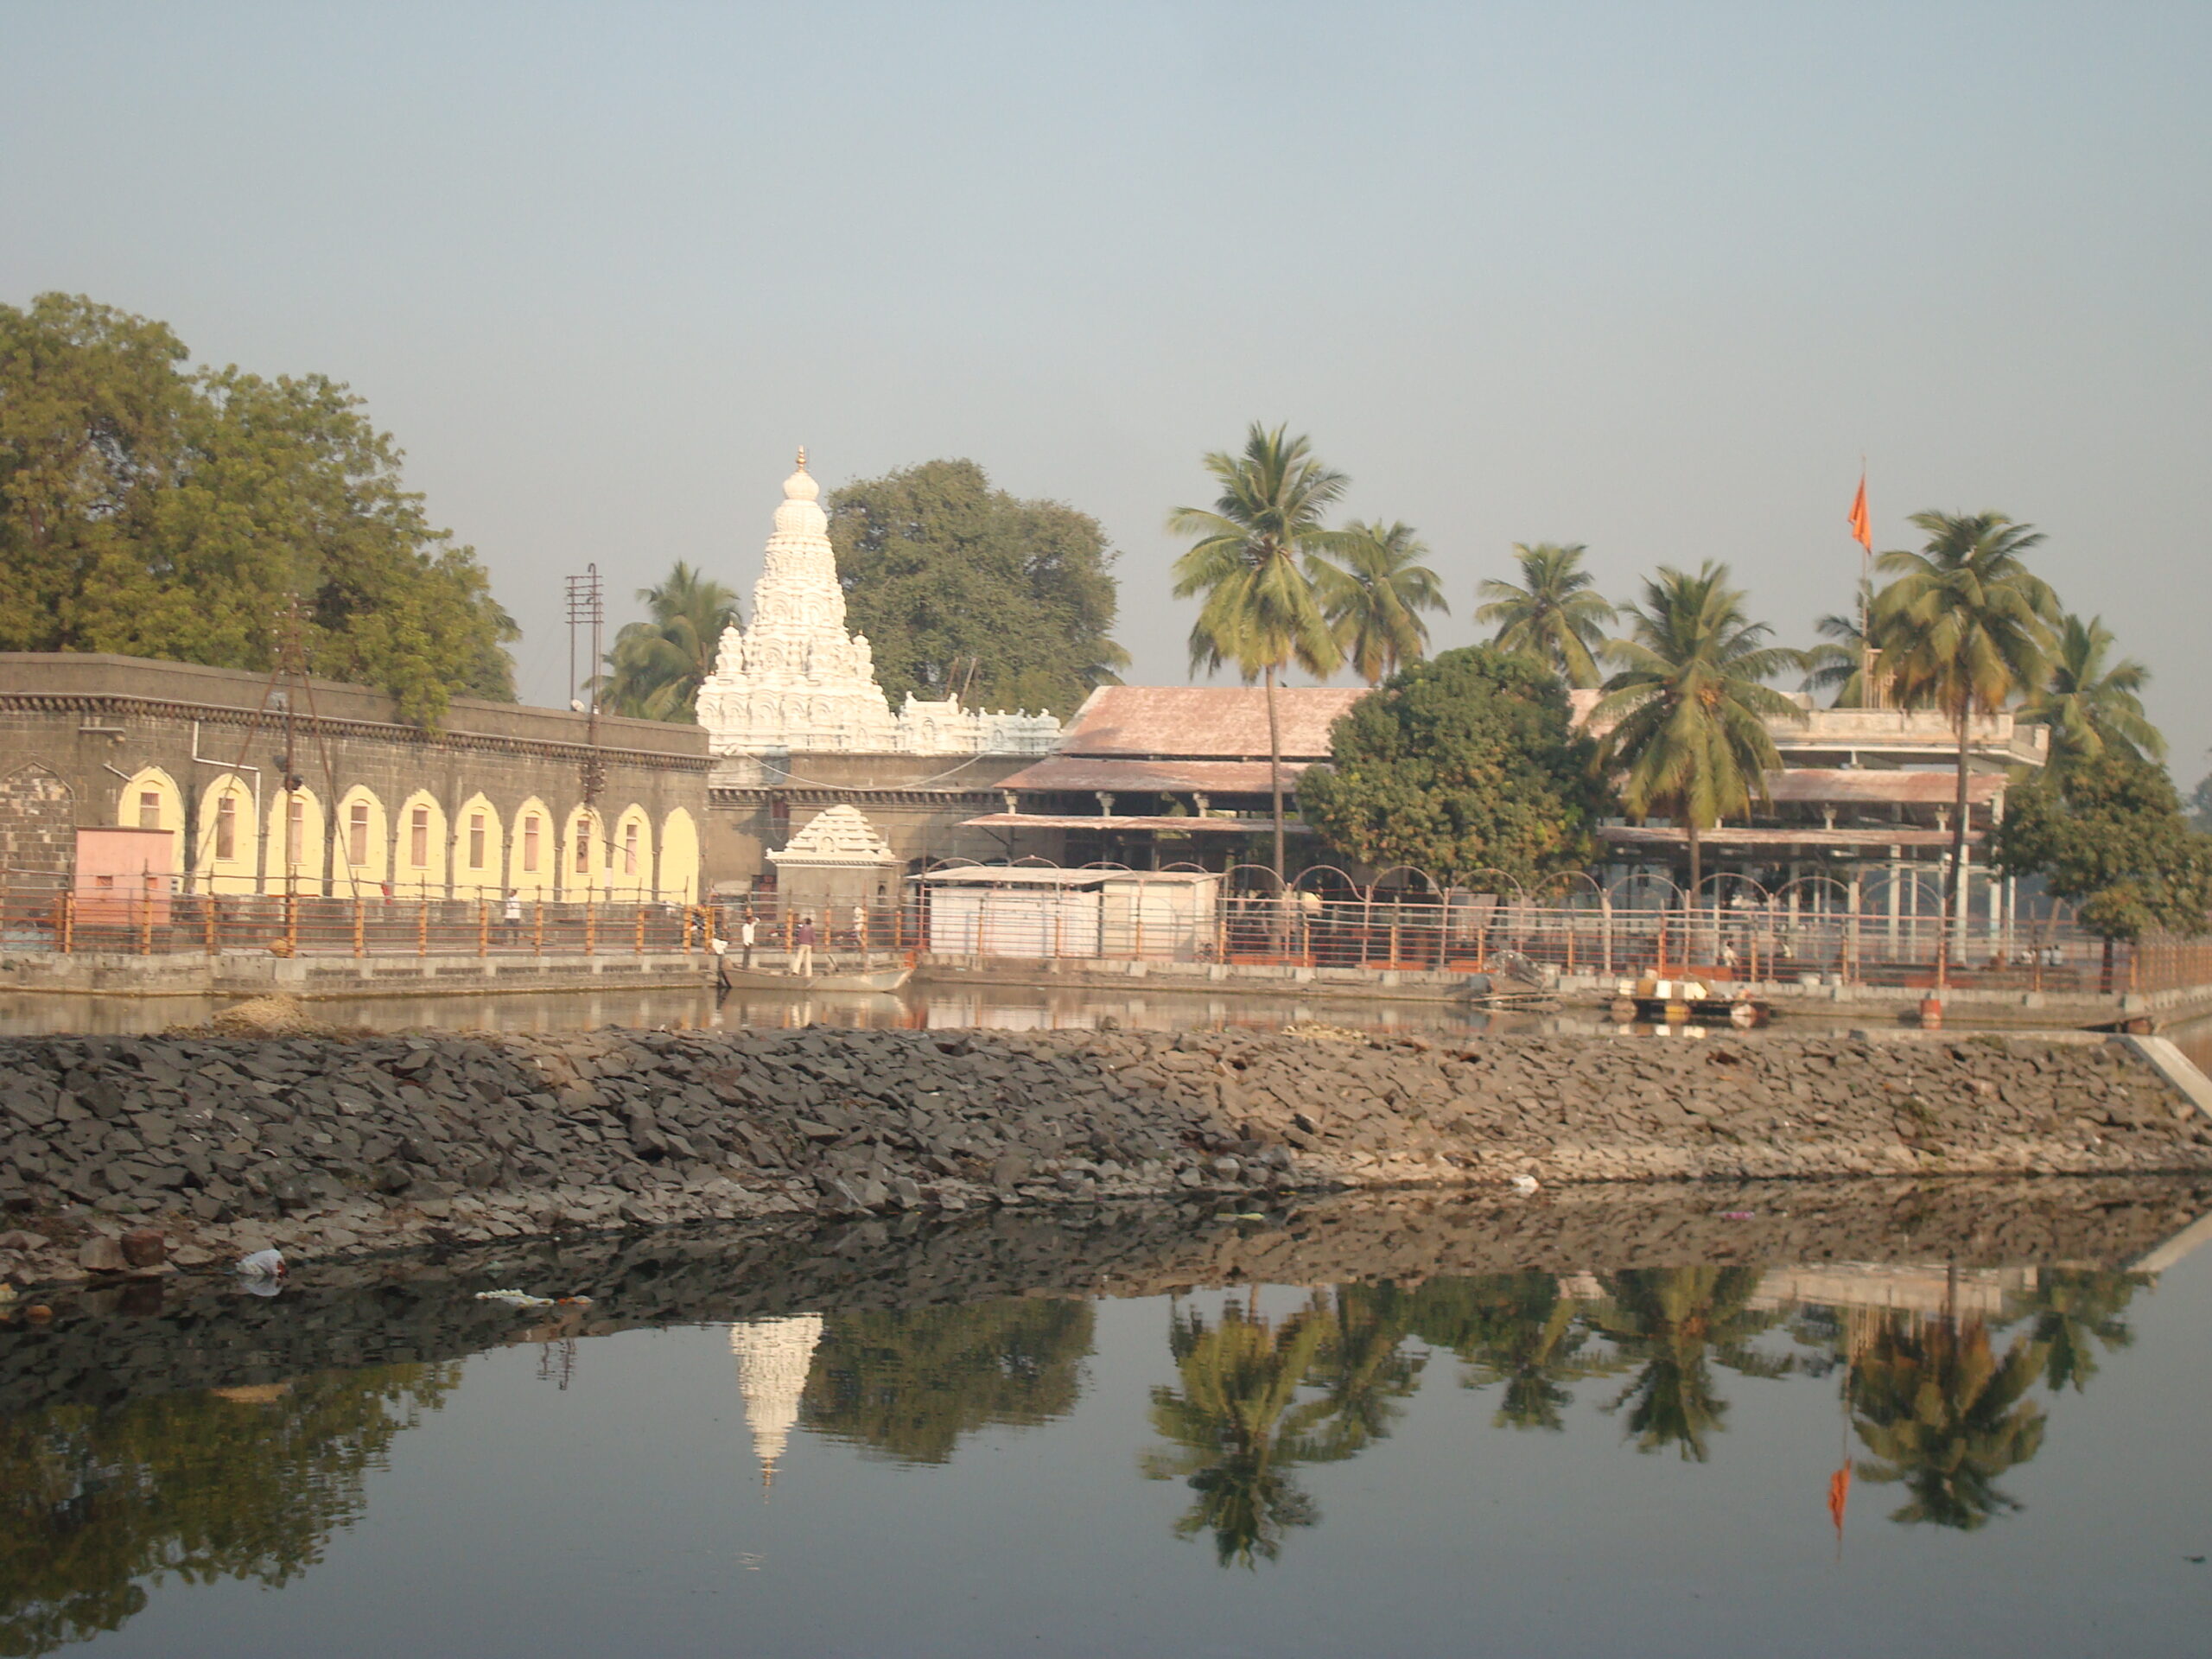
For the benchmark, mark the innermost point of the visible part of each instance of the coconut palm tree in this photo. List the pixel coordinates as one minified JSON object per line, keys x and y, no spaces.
{"x":1671,"y":1321}
{"x":1374,"y":598}
{"x":1838,"y":663}
{"x":1555,"y":616}
{"x":2076,"y":1311}
{"x":2091,"y":708}
{"x":657,"y":665}
{"x":1945,"y":1416}
{"x":1249,"y":560}
{"x":1689,"y":707}
{"x":1237,"y":1426}
{"x":1964,"y":628}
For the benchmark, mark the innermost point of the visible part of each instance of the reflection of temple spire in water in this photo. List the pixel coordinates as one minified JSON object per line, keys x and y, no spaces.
{"x":773,"y":1357}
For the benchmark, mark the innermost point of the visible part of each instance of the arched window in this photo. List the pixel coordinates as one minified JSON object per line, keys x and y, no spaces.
{"x":357,"y":835}
{"x":476,"y":841}
{"x":530,"y":844}
{"x":418,"y":838}
{"x":226,"y":826}
{"x":630,"y":847}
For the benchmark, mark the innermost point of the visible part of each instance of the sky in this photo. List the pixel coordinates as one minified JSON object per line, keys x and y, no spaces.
{"x":1649,"y":277}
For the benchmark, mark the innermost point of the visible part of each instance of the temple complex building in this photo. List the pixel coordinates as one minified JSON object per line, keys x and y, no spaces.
{"x":798,"y":724}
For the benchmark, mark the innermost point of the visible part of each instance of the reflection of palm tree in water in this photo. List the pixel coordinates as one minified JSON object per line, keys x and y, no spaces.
{"x":1517,"y":1330}
{"x":2075,"y":1308}
{"x":1363,"y":1366}
{"x":1237,"y":1426}
{"x":1944,"y":1415}
{"x":1671,"y":1320}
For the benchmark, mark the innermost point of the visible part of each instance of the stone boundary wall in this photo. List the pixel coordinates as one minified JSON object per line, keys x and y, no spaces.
{"x":329,"y":1144}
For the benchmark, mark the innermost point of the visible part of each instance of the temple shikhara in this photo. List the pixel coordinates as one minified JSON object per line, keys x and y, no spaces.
{"x":796,"y":682}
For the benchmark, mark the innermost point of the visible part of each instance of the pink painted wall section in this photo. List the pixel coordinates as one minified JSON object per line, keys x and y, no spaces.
{"x":121,"y":872}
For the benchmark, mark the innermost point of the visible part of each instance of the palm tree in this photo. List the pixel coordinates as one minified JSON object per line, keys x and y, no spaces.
{"x":1671,"y":1320}
{"x":1533,"y":1343}
{"x":1374,"y":600}
{"x":657,"y":665}
{"x":1945,"y":1416}
{"x":2088,"y":707}
{"x":1690,"y":706}
{"x":2074,"y":1308}
{"x":1839,"y":664}
{"x":1260,"y":612}
{"x":1362,"y":1368}
{"x":1964,"y":625}
{"x":1237,"y":1426}
{"x":1555,"y":617}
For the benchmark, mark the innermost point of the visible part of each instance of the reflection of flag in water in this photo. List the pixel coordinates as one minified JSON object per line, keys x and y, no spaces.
{"x":1862,"y":527}
{"x":1839,"y":1494}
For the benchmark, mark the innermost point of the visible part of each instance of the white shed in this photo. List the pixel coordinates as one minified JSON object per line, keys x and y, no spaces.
{"x":1035,"y":912}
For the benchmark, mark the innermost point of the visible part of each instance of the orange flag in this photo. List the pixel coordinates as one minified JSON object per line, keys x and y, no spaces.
{"x":1839,"y":1494}
{"x":1862,"y":528}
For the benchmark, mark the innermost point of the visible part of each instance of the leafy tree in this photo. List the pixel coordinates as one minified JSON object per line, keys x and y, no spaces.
{"x":1236,"y":1427}
{"x":907,"y":1383}
{"x":1465,"y":763}
{"x":2110,"y":836}
{"x":96,"y":1503}
{"x":1944,"y":1416}
{"x":2090,"y":706}
{"x":1254,"y":548}
{"x":160,"y":512}
{"x":656,"y":666}
{"x":1963,"y":628}
{"x":963,"y":590}
{"x":1838,"y":663}
{"x":1375,"y":599}
{"x":1556,"y":615}
{"x":1690,"y":704}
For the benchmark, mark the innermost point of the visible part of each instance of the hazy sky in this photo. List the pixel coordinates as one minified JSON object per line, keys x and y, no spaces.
{"x":1650,"y":278}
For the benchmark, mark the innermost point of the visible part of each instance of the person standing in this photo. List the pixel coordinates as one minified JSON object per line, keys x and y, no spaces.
{"x":511,"y":915}
{"x":802,"y":948}
{"x":860,"y":928}
{"x":744,"y":938}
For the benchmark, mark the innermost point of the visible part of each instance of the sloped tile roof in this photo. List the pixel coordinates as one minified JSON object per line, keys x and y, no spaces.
{"x":1206,"y":722}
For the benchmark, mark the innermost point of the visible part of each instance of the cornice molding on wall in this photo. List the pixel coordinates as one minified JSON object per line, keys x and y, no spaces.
{"x":103,"y":702}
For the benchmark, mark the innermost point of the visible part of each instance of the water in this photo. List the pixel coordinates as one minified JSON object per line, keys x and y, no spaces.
{"x":1011,"y":1008}
{"x":1607,"y":1424}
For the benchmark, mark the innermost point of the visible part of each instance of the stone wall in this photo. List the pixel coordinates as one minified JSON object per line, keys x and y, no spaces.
{"x":328,"y":1144}
{"x":109,"y":740}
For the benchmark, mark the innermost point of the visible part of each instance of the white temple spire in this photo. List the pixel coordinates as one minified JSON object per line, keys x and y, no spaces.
{"x":773,"y":1359}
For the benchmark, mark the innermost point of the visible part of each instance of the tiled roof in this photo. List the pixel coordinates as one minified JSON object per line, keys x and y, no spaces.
{"x":1206,"y":722}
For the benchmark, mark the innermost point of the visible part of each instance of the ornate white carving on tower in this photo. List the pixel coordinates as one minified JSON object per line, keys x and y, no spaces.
{"x":795,"y":681}
{"x":773,"y":1358}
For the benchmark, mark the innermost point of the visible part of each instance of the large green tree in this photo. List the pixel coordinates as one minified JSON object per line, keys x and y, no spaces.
{"x":1944,"y":1415}
{"x":1690,"y":705}
{"x":1554,"y":614}
{"x":1254,"y":551}
{"x":1837,"y":664}
{"x":1963,"y":628}
{"x":656,"y":666}
{"x":2090,"y":703}
{"x":99,"y":1502}
{"x":2110,"y":836}
{"x":149,"y":509}
{"x":1465,"y":763}
{"x":963,"y":589}
{"x":1374,"y":597}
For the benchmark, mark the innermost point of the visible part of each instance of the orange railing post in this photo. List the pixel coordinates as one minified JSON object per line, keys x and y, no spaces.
{"x":483,"y":928}
{"x":591,"y":927}
{"x":537,"y":928}
{"x":421,"y":927}
{"x":640,"y":950}
{"x":360,"y":927}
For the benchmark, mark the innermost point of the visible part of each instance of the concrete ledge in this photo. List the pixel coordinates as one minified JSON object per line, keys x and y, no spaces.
{"x":314,"y":978}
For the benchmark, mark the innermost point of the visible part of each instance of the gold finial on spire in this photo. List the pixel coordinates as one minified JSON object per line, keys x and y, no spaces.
{"x":802,"y":457}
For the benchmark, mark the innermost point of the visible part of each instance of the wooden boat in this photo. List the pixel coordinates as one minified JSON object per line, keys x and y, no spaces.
{"x":890,"y":977}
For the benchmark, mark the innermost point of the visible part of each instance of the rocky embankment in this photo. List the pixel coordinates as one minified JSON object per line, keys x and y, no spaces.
{"x":326,"y":1145}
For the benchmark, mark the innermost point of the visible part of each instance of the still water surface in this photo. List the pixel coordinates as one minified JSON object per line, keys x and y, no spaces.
{"x":1678,"y":1456}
